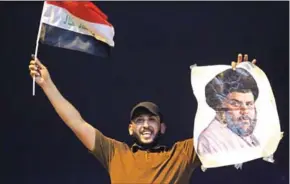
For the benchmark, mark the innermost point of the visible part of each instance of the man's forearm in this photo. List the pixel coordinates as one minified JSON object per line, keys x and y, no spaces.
{"x":67,"y":112}
{"x":71,"y":116}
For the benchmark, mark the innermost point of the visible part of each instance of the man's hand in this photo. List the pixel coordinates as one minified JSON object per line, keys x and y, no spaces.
{"x":241,"y":59}
{"x":40,"y":72}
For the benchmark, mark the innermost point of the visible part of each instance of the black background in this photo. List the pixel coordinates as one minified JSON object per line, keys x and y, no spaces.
{"x":156,"y":42}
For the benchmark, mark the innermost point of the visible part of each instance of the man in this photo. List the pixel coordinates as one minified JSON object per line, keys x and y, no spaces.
{"x":144,"y":162}
{"x":232,"y":94}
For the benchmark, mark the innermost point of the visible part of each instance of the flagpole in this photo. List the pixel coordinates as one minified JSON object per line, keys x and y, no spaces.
{"x":36,"y":48}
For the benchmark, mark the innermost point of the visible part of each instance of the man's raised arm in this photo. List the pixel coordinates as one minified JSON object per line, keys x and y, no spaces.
{"x":67,"y":112}
{"x":94,"y":140}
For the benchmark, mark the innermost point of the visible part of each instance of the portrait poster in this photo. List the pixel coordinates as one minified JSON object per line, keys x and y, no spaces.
{"x":236,"y":119}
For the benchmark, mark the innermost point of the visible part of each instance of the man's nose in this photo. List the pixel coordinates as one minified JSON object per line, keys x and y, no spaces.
{"x":244,"y":109}
{"x":145,"y":124}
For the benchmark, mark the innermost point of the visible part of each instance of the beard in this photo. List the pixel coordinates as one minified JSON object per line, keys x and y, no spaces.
{"x":238,"y":125}
{"x":136,"y":139}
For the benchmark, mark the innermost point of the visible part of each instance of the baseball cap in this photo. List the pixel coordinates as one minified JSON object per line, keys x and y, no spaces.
{"x":148,"y":106}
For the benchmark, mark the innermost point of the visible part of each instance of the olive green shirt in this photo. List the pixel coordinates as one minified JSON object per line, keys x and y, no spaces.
{"x":130,"y":165}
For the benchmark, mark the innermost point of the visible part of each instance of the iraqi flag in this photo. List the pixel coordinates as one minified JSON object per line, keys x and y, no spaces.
{"x":77,"y":25}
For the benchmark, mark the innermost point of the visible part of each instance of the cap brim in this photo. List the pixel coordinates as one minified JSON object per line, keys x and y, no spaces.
{"x":147,"y":107}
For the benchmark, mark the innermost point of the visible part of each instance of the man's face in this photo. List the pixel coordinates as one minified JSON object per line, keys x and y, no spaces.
{"x":145,"y":128}
{"x":241,"y":112}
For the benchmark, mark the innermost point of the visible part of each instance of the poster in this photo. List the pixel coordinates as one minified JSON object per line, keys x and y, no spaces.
{"x":236,"y":119}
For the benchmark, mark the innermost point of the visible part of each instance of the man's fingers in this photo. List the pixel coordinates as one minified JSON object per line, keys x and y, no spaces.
{"x":246,"y":57}
{"x":32,"y":62}
{"x":240,"y":58}
{"x":37,"y":61}
{"x":34,"y":73}
{"x":33,"y":67}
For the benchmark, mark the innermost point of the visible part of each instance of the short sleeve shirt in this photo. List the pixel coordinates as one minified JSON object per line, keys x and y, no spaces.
{"x":131,"y":166}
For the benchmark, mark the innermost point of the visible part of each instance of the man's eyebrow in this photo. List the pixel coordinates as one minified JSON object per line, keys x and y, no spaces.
{"x":153,"y":116}
{"x":235,"y":100}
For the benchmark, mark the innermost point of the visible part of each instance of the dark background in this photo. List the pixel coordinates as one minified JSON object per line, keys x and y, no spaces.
{"x":156,"y":42}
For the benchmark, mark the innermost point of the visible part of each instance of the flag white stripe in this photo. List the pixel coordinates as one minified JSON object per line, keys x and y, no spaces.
{"x":59,"y":17}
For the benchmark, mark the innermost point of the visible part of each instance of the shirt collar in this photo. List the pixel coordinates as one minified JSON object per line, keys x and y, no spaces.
{"x":158,"y":148}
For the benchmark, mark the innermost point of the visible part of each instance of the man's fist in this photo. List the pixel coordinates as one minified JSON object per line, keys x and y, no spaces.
{"x":40,"y":72}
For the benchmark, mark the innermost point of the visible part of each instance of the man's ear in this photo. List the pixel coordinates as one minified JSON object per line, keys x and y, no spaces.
{"x":130,"y":129}
{"x":162,"y":128}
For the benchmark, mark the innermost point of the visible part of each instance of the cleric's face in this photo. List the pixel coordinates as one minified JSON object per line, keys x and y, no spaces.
{"x":241,"y":112}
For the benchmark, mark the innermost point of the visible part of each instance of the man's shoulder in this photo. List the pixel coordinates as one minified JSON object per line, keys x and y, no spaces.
{"x":183,"y":144}
{"x":184,"y":141}
{"x":186,"y":150}
{"x":120,"y":145}
{"x":106,"y":141}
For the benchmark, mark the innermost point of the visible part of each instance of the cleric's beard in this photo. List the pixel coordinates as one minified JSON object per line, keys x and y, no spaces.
{"x":237,"y":127}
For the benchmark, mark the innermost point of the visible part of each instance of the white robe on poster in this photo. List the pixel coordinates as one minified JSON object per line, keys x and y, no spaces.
{"x":217,"y":138}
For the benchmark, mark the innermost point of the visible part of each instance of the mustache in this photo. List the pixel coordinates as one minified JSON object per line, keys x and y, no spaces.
{"x":244,"y":117}
{"x":149,"y":129}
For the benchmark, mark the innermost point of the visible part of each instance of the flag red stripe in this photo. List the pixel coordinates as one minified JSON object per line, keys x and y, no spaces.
{"x":84,"y":10}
